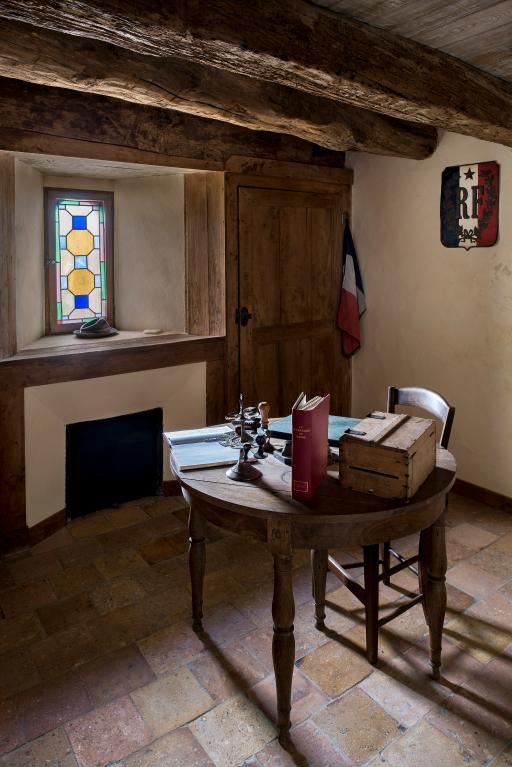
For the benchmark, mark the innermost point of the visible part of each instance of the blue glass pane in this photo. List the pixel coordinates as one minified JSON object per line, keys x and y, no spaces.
{"x":80,"y":262}
{"x":62,"y":242}
{"x":79,"y":222}
{"x":64,"y":282}
{"x":81,"y":302}
{"x":96,"y":241}
{"x":97,"y":280}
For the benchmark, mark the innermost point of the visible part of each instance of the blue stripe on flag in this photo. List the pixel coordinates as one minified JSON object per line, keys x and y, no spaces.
{"x":450,"y":207}
{"x":349,"y":247}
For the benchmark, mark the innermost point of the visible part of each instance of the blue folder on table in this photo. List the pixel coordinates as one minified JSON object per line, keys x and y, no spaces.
{"x":338,"y":425}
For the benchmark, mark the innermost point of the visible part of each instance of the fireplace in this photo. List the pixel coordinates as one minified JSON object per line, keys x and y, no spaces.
{"x":113,"y":460}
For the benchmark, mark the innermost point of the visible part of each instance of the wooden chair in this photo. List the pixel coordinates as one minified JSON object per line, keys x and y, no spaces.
{"x":435,"y":404}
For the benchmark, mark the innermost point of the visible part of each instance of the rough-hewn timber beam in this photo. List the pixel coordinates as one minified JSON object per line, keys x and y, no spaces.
{"x":30,"y":114}
{"x":56,"y":59}
{"x":297,"y":45}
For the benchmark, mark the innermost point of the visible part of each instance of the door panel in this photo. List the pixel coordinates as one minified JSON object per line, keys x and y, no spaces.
{"x":290,"y":271}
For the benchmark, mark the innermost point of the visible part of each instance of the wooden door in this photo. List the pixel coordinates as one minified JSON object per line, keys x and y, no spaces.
{"x":289,"y":248}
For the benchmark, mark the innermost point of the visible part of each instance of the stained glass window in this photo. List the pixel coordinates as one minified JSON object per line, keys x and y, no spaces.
{"x":79,"y":288}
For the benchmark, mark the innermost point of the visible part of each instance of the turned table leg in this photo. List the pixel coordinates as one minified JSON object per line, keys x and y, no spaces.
{"x":371,"y":587}
{"x":319,"y":559}
{"x":283,"y":643}
{"x":196,"y":562}
{"x":433,"y":583}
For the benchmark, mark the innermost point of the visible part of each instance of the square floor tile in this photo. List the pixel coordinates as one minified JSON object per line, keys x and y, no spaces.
{"x":66,"y":613}
{"x":233,"y":731}
{"x":334,"y":668}
{"x":12,"y":733}
{"x":51,"y":750}
{"x":177,"y":749}
{"x":171,"y":701}
{"x":357,"y":725}
{"x":425,"y":746}
{"x":227,"y":671}
{"x":51,"y":704}
{"x":171,"y":647}
{"x":307,"y":699}
{"x":469,"y":535}
{"x":74,"y":580}
{"x":114,"y":675}
{"x":17,"y":673}
{"x":400,"y":702}
{"x":20,"y":631}
{"x":107,"y":734}
{"x":473,"y":580}
{"x":25,"y":599}
{"x":119,"y":592}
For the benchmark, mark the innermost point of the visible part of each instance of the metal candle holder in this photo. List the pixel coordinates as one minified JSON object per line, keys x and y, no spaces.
{"x":244,"y":419}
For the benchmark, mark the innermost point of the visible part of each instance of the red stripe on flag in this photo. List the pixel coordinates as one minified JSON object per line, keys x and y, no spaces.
{"x":488,"y":183}
{"x":348,"y":322}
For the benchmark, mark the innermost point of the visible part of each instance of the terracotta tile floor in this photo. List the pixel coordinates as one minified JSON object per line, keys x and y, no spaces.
{"x":99,"y":665}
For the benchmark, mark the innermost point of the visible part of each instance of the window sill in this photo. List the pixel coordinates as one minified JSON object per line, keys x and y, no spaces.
{"x":70,"y":343}
{"x":86,"y":358}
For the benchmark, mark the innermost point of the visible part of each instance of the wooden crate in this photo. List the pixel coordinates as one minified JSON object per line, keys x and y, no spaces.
{"x":387,"y":454}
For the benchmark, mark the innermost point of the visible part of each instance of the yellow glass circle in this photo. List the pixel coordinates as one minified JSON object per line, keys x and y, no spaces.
{"x":80,"y":242}
{"x":80,"y":282}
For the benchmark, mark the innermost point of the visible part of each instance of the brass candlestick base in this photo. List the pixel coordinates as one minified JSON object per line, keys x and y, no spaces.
{"x":243,"y":471}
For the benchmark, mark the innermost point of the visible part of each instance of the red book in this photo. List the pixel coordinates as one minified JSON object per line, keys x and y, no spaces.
{"x":310,"y":423}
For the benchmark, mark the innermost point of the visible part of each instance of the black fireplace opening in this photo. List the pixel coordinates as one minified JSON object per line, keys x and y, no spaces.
{"x":113,"y":460}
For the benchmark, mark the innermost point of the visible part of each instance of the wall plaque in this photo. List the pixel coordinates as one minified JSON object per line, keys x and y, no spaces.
{"x":469,"y":205}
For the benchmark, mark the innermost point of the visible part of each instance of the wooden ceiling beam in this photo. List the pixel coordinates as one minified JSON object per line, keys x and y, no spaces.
{"x":52,"y":58}
{"x":299,"y":46}
{"x":36,"y":118}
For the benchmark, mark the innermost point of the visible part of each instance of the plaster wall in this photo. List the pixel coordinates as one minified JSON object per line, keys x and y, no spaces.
{"x":437,"y":317}
{"x":149,"y":270}
{"x":180,"y":391}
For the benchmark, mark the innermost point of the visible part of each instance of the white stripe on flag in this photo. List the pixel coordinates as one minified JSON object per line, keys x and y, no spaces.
{"x":349,"y":276}
{"x":466,"y":201}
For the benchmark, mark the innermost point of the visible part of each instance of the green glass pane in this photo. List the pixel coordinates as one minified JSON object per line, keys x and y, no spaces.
{"x":103,"y":280}
{"x":70,"y":202}
{"x":102,"y":215}
{"x":59,"y":310}
{"x":57,"y":247}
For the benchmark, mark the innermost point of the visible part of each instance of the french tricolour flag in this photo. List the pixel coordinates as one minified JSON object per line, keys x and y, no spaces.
{"x":469,"y":205}
{"x":352,"y":300}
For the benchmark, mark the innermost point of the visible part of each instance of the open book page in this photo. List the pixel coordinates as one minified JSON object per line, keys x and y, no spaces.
{"x":208,"y":434}
{"x":201,"y":448}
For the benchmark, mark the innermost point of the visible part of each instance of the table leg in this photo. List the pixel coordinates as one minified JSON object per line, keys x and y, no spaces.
{"x":433,"y":565}
{"x":319,"y":569}
{"x":371,"y":587}
{"x":196,"y":562}
{"x":283,"y":643}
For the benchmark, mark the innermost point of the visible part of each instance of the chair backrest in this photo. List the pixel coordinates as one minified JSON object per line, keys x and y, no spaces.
{"x":428,"y":400}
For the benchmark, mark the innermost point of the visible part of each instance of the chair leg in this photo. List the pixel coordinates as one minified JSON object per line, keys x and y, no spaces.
{"x":371,"y":587}
{"x":386,"y":561}
{"x":319,"y":571}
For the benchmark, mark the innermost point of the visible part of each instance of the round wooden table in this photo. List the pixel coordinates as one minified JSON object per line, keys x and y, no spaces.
{"x":335,"y":518}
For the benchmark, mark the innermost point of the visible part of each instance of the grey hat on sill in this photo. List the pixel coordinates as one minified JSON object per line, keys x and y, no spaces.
{"x":99,"y":328}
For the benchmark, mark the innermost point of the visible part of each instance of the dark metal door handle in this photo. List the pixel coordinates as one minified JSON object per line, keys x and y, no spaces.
{"x":242,"y":316}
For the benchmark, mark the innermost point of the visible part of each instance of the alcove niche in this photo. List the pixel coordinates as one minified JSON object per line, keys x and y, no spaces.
{"x":168,"y":275}
{"x":149,"y":243}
